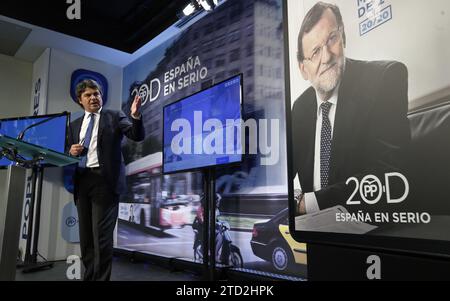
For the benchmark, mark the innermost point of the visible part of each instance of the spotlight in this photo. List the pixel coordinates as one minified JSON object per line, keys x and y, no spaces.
{"x":207,"y":5}
{"x":189,"y":9}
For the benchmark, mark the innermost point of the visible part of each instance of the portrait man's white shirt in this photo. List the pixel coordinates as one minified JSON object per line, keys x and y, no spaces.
{"x":311,"y":203}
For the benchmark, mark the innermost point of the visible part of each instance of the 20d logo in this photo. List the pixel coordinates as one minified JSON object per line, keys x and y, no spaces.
{"x":371,"y":189}
{"x":148,"y":92}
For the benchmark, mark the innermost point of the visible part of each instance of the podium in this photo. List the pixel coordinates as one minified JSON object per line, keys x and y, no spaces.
{"x":26,"y":156}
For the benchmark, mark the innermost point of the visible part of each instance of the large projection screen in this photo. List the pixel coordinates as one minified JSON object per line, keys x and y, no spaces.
{"x":368,"y":121}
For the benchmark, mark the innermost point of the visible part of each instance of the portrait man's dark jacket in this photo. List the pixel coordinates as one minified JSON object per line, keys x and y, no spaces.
{"x":370,"y":130}
{"x":113,"y":125}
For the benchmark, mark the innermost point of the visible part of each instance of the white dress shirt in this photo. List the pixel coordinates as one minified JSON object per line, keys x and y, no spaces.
{"x":311,"y":204}
{"x":92,"y":156}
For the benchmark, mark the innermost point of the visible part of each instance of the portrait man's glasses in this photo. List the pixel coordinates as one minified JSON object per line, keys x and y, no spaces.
{"x":333,"y":39}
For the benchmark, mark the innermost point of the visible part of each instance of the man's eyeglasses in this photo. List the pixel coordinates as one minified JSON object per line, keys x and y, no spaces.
{"x":332,"y":40}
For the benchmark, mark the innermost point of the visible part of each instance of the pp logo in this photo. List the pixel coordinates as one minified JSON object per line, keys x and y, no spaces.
{"x":371,"y":189}
{"x":71,"y":221}
{"x":148,"y":92}
{"x":74,"y":270}
{"x":144,"y":93}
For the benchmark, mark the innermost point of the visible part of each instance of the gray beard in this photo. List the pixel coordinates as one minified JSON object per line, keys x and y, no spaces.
{"x":328,"y":83}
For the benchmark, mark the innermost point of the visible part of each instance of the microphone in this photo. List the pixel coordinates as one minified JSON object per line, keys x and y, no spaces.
{"x":22,"y":133}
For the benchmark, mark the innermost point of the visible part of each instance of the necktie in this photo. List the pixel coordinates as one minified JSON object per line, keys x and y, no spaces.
{"x":325,"y":144}
{"x":87,"y":141}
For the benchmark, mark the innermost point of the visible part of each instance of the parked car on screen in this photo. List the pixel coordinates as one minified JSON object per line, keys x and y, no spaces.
{"x":174,"y":213}
{"x":161,"y":214}
{"x":272,"y":241}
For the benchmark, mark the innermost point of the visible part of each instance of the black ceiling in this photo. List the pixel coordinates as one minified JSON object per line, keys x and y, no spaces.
{"x":121,"y":24}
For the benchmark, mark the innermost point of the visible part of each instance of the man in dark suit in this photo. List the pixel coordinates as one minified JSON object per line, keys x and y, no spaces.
{"x":352,"y":122}
{"x":99,"y":178}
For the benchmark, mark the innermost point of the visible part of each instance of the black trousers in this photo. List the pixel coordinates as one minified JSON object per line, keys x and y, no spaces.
{"x":97,"y":209}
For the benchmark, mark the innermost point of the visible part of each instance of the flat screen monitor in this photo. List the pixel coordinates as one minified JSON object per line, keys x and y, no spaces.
{"x":204,"y":129}
{"x":50,"y":134}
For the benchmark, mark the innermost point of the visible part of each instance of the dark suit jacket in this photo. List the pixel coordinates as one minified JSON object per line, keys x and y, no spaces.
{"x":371,"y":128}
{"x":113,"y":125}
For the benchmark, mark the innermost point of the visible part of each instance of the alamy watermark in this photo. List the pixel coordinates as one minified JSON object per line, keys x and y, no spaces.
{"x":227,"y":138}
{"x":73,"y":12}
{"x":374,"y":270}
{"x":73,"y":272}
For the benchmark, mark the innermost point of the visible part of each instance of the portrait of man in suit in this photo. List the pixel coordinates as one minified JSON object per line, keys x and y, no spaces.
{"x":99,"y":178}
{"x":352,"y":120}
